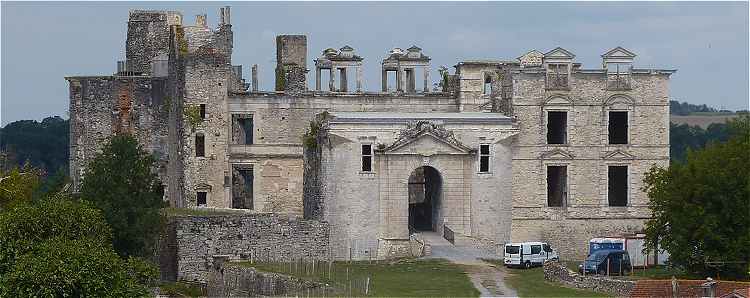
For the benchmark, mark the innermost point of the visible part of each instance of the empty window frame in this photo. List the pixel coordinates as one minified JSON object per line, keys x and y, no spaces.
{"x":242,"y":187}
{"x":202,"y":198}
{"x":200,"y":145}
{"x":618,"y":127}
{"x":203,"y":111}
{"x":557,"y":186}
{"x":484,"y":158}
{"x":617,"y":186}
{"x":557,"y":127}
{"x":366,"y":157}
{"x":557,"y":76}
{"x":487,"y":85}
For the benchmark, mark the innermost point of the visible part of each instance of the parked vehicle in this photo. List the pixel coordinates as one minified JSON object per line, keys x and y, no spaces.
{"x":528,"y":254}
{"x":607,"y":262}
{"x":634,"y":244}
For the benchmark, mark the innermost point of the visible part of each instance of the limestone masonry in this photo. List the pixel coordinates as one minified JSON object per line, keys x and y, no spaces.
{"x":496,"y":151}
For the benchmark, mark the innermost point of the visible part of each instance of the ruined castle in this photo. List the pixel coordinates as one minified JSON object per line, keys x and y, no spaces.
{"x":531,"y":148}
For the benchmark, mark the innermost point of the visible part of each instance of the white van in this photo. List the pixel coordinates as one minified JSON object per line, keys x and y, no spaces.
{"x":527,"y":254}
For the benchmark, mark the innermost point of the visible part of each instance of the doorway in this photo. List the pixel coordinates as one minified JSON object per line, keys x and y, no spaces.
{"x":425,"y":191}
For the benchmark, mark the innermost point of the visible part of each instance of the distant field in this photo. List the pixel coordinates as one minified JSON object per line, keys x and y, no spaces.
{"x":701,"y":120}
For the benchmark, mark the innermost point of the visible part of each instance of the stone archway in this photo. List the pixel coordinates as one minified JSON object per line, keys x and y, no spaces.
{"x":425,"y":194}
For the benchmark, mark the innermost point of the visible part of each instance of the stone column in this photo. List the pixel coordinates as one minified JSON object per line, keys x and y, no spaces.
{"x":332,"y":80}
{"x":255,"y":77}
{"x":399,"y":79}
{"x":344,"y":85}
{"x":385,"y":80}
{"x":359,"y":78}
{"x":426,"y":79}
{"x":317,"y":78}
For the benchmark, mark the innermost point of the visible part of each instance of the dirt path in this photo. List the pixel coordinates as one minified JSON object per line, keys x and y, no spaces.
{"x":487,"y":278}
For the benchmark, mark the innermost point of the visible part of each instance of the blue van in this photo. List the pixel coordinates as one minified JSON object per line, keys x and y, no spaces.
{"x":607,"y":261}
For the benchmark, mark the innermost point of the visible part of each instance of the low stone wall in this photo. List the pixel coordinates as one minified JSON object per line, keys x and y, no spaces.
{"x":233,"y":280}
{"x":554,"y":271}
{"x":200,"y":243}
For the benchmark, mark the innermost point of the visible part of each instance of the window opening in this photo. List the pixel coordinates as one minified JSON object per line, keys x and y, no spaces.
{"x":366,"y":158}
{"x":618,"y":127}
{"x":557,"y":186}
{"x":618,"y":186}
{"x":200,"y":146}
{"x":203,"y":111}
{"x":557,"y":126}
{"x":202,"y":198}
{"x":487,"y":85}
{"x":242,"y":188}
{"x":484,"y":158}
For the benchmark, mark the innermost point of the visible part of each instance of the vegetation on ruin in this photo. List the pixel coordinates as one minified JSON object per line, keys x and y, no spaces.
{"x":701,"y":207}
{"x":192,"y":114}
{"x":403,"y":278}
{"x":121,"y":182}
{"x":310,"y":138}
{"x":182,"y":42}
{"x":60,"y":247}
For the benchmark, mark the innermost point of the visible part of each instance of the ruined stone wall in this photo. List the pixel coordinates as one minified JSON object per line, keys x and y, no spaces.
{"x":556,"y":272}
{"x":260,"y":237}
{"x":101,"y":107}
{"x":587,"y":156}
{"x":207,"y":60}
{"x":91,"y":108}
{"x":148,"y":36}
{"x":471,"y":93}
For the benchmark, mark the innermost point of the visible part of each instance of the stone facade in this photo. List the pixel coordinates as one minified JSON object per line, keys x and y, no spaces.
{"x":546,"y":177}
{"x":202,"y":242}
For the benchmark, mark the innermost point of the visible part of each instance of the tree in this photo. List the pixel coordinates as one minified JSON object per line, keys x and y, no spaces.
{"x":44,"y":145}
{"x":701,"y":208}
{"x":121,"y":182}
{"x":17,"y":186}
{"x":61,"y":248}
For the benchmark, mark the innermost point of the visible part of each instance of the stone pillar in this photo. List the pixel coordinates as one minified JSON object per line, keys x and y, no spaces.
{"x":317,"y":78}
{"x":411,"y":80}
{"x":426,"y":79}
{"x":385,"y":80}
{"x":255,"y":77}
{"x":332,"y":80}
{"x":344,"y":86}
{"x":399,"y":79}
{"x":359,"y":78}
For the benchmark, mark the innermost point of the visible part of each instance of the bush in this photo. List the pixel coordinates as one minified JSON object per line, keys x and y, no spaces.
{"x":61,"y":248}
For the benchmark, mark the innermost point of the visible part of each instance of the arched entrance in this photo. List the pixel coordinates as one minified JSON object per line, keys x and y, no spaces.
{"x":425,"y":192}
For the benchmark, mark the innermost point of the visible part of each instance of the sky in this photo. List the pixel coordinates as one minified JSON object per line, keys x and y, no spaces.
{"x":42,"y":42}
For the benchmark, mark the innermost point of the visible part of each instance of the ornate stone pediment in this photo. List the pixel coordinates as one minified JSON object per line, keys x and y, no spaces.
{"x":557,"y":154}
{"x":618,"y":154}
{"x":427,"y":138}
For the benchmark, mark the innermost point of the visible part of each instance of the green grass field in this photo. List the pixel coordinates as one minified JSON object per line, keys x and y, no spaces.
{"x":415,"y":278}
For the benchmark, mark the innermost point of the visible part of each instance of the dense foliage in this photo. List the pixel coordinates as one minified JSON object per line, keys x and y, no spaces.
{"x":702,"y":206}
{"x":121,"y":182}
{"x":18,"y":185}
{"x":684,"y":108}
{"x":683,"y":138}
{"x":44,"y":144}
{"x":62,"y":248}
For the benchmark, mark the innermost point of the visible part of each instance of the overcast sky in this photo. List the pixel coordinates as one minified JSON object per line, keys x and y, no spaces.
{"x":706,"y":42}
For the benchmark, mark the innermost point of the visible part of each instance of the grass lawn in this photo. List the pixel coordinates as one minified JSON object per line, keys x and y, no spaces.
{"x":415,"y":278}
{"x":181,"y":289}
{"x":531,"y":283}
